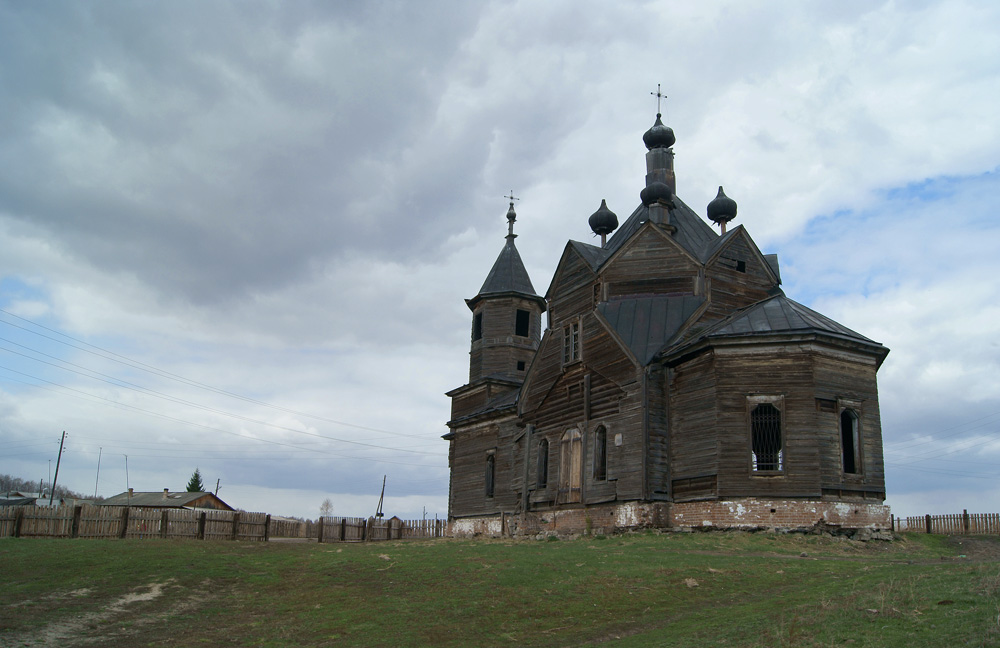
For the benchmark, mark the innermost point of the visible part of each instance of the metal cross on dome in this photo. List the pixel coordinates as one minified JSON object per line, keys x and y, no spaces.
{"x":659,"y":95}
{"x":511,"y":197}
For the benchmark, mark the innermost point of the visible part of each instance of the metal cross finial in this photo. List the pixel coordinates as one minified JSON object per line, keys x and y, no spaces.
{"x":511,"y":197}
{"x":659,"y":95}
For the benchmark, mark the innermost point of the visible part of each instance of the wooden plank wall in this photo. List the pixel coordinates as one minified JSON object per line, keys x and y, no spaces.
{"x":344,"y":529}
{"x":731,"y":289}
{"x":85,"y":521}
{"x":693,"y":439}
{"x":778,"y":370}
{"x":955,"y":523}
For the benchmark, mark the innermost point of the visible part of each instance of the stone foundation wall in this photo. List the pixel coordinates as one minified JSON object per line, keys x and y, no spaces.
{"x":742,"y":513}
{"x":751,"y":512}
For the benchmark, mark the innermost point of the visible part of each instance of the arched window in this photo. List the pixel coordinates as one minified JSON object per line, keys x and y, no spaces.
{"x":850,"y":441}
{"x":765,"y":438}
{"x":542,"y":471}
{"x":490,"y":473}
{"x":601,"y":453}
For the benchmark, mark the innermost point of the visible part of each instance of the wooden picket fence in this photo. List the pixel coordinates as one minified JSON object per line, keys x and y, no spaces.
{"x":963,"y":523}
{"x":348,"y":529}
{"x":84,"y":521}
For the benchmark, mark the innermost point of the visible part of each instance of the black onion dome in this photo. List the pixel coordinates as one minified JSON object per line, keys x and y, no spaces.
{"x":603,"y":221}
{"x":655,"y":192}
{"x":511,"y":214}
{"x":722,"y":209}
{"x":659,"y":136}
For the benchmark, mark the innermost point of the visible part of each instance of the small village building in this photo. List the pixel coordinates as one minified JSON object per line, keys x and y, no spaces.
{"x":166,"y":499}
{"x":673,"y":384}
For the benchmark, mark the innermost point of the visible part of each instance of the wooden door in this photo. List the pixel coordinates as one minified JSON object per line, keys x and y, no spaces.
{"x":570,"y":467}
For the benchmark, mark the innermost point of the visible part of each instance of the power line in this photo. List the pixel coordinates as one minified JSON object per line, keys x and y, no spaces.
{"x":208,"y":427}
{"x":135,"y":364}
{"x":213,"y":410}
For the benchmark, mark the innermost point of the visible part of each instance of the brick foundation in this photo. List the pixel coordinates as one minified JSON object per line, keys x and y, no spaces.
{"x":742,"y":513}
{"x":751,"y":512}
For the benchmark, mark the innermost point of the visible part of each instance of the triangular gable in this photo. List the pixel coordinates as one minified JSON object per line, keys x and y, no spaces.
{"x":645,"y":325}
{"x":637,"y":236}
{"x":571,"y":254}
{"x":739,"y":233}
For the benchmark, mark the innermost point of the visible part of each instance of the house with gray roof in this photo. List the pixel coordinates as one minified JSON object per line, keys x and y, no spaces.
{"x":167,"y":499}
{"x":672,"y":384}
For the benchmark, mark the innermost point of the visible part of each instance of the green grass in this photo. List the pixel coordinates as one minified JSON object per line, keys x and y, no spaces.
{"x":728,"y":589}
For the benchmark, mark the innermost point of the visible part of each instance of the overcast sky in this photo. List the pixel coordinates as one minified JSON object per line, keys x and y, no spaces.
{"x":239,"y":236}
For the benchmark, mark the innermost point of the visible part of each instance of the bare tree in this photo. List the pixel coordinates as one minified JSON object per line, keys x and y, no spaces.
{"x":326,"y":508}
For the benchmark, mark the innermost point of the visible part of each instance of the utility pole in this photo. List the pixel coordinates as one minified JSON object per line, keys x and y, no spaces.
{"x":217,"y":486}
{"x":98,"y":480}
{"x":378,"y":512}
{"x":58,"y":459}
{"x":128,"y":495}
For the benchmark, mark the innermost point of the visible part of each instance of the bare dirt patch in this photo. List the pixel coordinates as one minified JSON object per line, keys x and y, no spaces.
{"x":976,"y":547}
{"x":122,"y":617}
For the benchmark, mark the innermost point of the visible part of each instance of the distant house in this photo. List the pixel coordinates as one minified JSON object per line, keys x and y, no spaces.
{"x":166,"y":499}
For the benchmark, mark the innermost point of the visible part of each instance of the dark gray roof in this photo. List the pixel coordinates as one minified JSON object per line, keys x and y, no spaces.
{"x":508,"y":274}
{"x":647,"y":324}
{"x":693,"y":233}
{"x":157,"y":500}
{"x":779,"y":314}
{"x":591,"y":253}
{"x":507,"y":400}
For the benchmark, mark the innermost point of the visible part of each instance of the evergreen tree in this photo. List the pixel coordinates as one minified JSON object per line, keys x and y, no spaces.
{"x":194,"y":484}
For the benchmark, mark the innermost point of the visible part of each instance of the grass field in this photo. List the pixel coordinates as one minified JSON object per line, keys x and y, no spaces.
{"x":702,"y":589}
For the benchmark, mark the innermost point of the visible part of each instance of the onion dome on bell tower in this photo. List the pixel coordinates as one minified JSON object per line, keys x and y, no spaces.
{"x":603,"y":221}
{"x":661,"y":185}
{"x":722,"y":209}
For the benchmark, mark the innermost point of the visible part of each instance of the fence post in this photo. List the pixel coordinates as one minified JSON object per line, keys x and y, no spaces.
{"x":320,"y":531}
{"x":18,"y":516}
{"x":124,"y":531}
{"x":343,"y":529}
{"x":77,"y":512}
{"x":201,"y":525}
{"x":267,"y":528}
{"x":927,"y":520}
{"x":965,"y":520}
{"x":236,"y":524}
{"x":164,"y":522}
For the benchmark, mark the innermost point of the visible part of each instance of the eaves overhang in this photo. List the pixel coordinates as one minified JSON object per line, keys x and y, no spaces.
{"x":472,"y":303}
{"x":677,"y":355}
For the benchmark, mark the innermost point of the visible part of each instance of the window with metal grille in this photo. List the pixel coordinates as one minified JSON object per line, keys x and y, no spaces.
{"x":490,"y":473}
{"x":601,"y":453}
{"x":765,"y":438}
{"x":850,"y":441}
{"x":542,"y":473}
{"x":571,"y":342}
{"x":522,"y":323}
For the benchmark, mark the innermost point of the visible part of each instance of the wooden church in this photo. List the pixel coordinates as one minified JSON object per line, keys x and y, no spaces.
{"x":673,"y":384}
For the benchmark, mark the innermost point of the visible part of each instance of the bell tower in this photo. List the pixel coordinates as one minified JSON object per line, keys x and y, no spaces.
{"x":506,"y":317}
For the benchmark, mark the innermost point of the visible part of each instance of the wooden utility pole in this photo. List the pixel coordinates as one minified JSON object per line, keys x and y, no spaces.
{"x":378,"y":511}
{"x":58,"y":459}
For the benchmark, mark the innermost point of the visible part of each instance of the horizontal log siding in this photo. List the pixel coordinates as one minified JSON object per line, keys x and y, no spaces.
{"x":650,"y":264}
{"x":769,"y":370}
{"x":657,"y":439}
{"x":468,"y":454}
{"x":842,"y":376}
{"x":572,"y":291}
{"x":499,"y":350}
{"x":730,"y":289}
{"x":693,"y":437}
